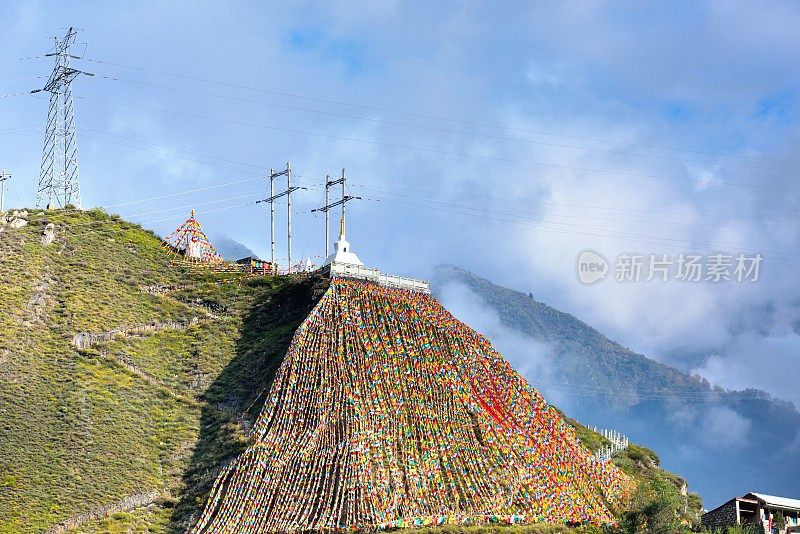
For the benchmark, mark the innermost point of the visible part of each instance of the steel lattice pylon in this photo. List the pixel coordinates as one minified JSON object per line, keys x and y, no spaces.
{"x":59,"y":181}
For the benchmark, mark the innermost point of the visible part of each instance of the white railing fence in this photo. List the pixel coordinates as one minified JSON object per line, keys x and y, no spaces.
{"x":347,"y":270}
{"x":617,"y":442}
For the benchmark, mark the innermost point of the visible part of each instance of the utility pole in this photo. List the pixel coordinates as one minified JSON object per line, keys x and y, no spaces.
{"x":59,"y":181}
{"x":343,"y":179}
{"x":271,"y":200}
{"x":272,"y":215}
{"x":343,"y":201}
{"x":289,"y":211}
{"x":327,"y":217}
{"x":328,"y":184}
{"x":3,"y":177}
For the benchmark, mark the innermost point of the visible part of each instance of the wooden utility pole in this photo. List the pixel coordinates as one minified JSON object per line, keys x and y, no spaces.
{"x":272,"y":198}
{"x":3,"y":177}
{"x":289,"y":211}
{"x":272,"y":216}
{"x":344,"y":204}
{"x":327,"y":218}
{"x":345,"y":198}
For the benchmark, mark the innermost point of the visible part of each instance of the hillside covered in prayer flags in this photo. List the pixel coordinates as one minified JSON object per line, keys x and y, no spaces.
{"x":388,"y":412}
{"x":127,"y":430}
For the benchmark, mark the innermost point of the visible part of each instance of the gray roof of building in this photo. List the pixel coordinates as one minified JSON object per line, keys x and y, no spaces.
{"x":782,"y":502}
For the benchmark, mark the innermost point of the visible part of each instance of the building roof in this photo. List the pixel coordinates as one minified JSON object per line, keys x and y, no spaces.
{"x":780,"y":502}
{"x":248,"y":259}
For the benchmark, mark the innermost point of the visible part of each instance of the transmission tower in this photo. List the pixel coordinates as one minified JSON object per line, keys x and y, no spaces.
{"x":59,"y":182}
{"x":271,"y":200}
{"x":326,"y":208}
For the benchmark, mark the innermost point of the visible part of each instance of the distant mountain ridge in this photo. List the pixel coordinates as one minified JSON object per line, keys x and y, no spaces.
{"x":230,"y":249}
{"x":723,"y":442}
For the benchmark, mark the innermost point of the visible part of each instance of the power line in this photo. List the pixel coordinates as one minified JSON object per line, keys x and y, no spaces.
{"x":176,"y":19}
{"x":603,"y":218}
{"x":462,"y":207}
{"x":26,"y":78}
{"x":516,"y":225}
{"x":12,"y":130}
{"x":480,"y":40}
{"x":169,"y":195}
{"x":193,"y":46}
{"x":571,"y":230}
{"x":210,"y":163}
{"x":443,"y":152}
{"x":170,"y":27}
{"x":735,"y":213}
{"x":524,"y":46}
{"x":9,"y":95}
{"x":519,"y":219}
{"x":20,"y":130}
{"x":573,"y":225}
{"x":445,"y":130}
{"x":738,"y":213}
{"x":170,"y":217}
{"x":171,"y":148}
{"x":442,"y":118}
{"x":193,"y":204}
{"x":472,"y":75}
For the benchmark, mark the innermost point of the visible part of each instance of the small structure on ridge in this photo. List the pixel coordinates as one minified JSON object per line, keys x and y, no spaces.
{"x":190,"y":242}
{"x":341,"y":249}
{"x":344,"y":263}
{"x":255,"y":265}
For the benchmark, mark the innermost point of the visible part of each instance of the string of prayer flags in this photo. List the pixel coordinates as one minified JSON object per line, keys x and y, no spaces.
{"x":386,"y":413}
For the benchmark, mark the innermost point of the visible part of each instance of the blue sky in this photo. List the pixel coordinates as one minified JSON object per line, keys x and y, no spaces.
{"x":504,"y":140}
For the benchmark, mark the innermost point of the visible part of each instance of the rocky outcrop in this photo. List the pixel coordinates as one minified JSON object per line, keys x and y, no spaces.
{"x":85,"y":340}
{"x":48,"y":234}
{"x":16,"y":219}
{"x":131,"y":502}
{"x":41,"y":301}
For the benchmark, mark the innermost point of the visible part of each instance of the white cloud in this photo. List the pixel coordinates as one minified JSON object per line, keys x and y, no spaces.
{"x":724,"y":426}
{"x":713,"y":427}
{"x":518,"y":224}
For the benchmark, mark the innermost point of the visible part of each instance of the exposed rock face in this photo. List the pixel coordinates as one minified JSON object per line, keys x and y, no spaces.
{"x":16,"y":219}
{"x":40,"y":303}
{"x":48,"y":234}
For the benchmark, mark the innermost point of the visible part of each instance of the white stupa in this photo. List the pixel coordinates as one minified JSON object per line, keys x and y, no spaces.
{"x":341,"y":249}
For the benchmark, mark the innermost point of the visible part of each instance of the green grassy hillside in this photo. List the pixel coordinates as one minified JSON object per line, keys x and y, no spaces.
{"x":133,"y":427}
{"x":153,"y":412}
